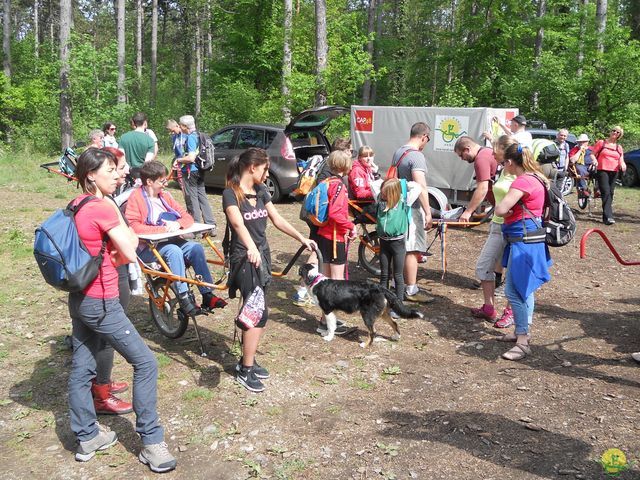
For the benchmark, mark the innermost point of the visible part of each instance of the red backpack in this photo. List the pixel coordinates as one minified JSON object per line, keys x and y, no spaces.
{"x":393,"y":169}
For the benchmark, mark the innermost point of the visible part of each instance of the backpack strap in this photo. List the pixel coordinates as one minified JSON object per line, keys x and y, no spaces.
{"x":404,"y":154}
{"x":76,"y":208}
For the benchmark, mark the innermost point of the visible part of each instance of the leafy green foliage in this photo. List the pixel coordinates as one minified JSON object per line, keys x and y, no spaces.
{"x":457,"y":54}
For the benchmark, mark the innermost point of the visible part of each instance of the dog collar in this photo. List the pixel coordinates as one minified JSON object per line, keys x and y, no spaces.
{"x":318,"y":278}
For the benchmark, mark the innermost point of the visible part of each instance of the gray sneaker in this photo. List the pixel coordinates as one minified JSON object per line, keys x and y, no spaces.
{"x":105,"y":439}
{"x":158,"y":458}
{"x":259,"y":371}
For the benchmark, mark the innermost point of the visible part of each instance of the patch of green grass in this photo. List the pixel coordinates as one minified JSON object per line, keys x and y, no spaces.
{"x":198,"y":393}
{"x":391,"y":450}
{"x":254,"y":468}
{"x":42,"y":374}
{"x":359,"y":363}
{"x":15,"y":243}
{"x":274,"y":411}
{"x":4,"y":354}
{"x":313,"y":394}
{"x":391,"y":371}
{"x":163,"y":360}
{"x":334,"y":409}
{"x":330,"y":381}
{"x":290,"y":469}
{"x":362,"y":384}
{"x":250,"y":402}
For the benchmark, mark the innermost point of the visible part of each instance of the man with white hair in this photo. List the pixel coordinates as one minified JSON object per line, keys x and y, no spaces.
{"x":195,"y":195}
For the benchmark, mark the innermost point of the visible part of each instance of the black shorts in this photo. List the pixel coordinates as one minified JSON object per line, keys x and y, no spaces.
{"x":326,"y":248}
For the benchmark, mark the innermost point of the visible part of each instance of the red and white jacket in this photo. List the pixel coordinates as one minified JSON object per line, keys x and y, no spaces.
{"x":338,"y":213}
{"x":360,"y":178}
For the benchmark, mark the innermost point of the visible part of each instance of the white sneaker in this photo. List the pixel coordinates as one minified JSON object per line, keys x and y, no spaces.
{"x":636,"y":356}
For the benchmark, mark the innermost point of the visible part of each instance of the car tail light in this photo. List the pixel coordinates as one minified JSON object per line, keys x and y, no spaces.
{"x":286,"y":150}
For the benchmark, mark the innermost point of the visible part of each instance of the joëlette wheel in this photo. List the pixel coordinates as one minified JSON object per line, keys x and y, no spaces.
{"x":169,"y":319}
{"x":368,"y":255}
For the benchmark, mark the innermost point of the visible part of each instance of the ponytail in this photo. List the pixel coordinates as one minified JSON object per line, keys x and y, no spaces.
{"x":239,"y":165}
{"x":523,"y":157}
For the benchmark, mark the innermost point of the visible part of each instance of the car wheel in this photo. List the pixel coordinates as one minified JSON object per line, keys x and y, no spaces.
{"x":274,"y":188}
{"x":630,"y":177}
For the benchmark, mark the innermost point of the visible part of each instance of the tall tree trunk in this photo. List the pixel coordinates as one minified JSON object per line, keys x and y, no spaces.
{"x":198,"y":67}
{"x":66,"y":125}
{"x":154,"y":51}
{"x":36,"y":28}
{"x":6,"y":38}
{"x":120,"y":18}
{"x":452,"y":27}
{"x":371,"y":25}
{"x":601,"y":24}
{"x":537,"y":52}
{"x":582,"y":6}
{"x":208,"y":30}
{"x":286,"y":60}
{"x":139,"y":15}
{"x":376,"y":53}
{"x":322,"y":49}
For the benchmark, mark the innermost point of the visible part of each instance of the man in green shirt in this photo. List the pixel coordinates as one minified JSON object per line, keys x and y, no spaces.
{"x":137,"y":145}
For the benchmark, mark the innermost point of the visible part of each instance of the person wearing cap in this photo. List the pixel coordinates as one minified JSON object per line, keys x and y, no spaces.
{"x":608,"y":157}
{"x":517,"y":128}
{"x":580,"y":157}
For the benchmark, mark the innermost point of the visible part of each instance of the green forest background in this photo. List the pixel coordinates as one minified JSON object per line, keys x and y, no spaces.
{"x":424,"y":52}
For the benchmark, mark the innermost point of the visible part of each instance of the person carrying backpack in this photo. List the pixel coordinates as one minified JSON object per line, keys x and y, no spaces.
{"x":526,"y":254}
{"x":96,"y":315}
{"x":608,"y":158}
{"x":394,"y":197}
{"x":195,"y":194}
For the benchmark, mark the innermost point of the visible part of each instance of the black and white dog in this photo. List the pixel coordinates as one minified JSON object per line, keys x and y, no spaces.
{"x":371,"y":300}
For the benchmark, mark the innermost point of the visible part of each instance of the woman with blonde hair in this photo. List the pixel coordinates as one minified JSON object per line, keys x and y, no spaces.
{"x":608,"y":158}
{"x":526,"y":254}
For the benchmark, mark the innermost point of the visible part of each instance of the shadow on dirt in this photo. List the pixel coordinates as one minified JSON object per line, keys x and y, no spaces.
{"x":499,"y":440}
{"x":46,"y":390}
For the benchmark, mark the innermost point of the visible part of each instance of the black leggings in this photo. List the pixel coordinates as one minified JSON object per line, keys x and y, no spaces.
{"x":607,"y":184}
{"x":392,"y":254}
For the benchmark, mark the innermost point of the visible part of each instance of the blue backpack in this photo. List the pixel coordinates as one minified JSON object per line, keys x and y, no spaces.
{"x":64,"y":261}
{"x":316,"y":203}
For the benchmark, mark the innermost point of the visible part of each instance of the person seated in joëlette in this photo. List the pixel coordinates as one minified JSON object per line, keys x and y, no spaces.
{"x":151,"y":209}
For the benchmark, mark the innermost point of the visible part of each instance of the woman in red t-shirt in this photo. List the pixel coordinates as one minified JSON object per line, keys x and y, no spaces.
{"x":608,"y":157}
{"x":96,"y":315}
{"x":527,"y":263}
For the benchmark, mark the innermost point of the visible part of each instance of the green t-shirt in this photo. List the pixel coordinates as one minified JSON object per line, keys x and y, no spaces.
{"x":136,"y":145}
{"x":500,"y":189}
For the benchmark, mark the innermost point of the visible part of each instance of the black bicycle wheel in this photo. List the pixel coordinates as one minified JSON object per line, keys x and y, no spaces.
{"x":169,"y":319}
{"x":583,"y":201}
{"x":368,"y":253}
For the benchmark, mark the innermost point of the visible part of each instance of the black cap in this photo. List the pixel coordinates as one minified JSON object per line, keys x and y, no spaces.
{"x":519,"y":119}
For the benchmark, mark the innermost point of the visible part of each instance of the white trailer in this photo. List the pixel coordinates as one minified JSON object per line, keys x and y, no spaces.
{"x":450,"y":180}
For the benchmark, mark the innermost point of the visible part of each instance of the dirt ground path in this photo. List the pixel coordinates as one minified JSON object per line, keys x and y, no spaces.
{"x":438,"y":404}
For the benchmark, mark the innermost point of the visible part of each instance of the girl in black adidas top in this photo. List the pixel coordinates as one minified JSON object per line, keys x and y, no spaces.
{"x":247,"y":204}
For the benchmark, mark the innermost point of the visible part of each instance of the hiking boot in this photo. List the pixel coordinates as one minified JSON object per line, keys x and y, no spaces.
{"x":211,"y":301}
{"x":158,"y":458}
{"x":260,"y":372}
{"x":187,"y":305}
{"x":486,"y":312}
{"x":247,"y":378}
{"x":419,"y":297}
{"x":118,"y":387}
{"x":115,"y":387}
{"x":105,"y":439}
{"x":107,"y":404}
{"x":506,"y":320}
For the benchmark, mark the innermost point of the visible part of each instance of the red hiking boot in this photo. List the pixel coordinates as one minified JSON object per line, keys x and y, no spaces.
{"x":487,"y":312}
{"x":107,"y":404}
{"x":506,"y":320}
